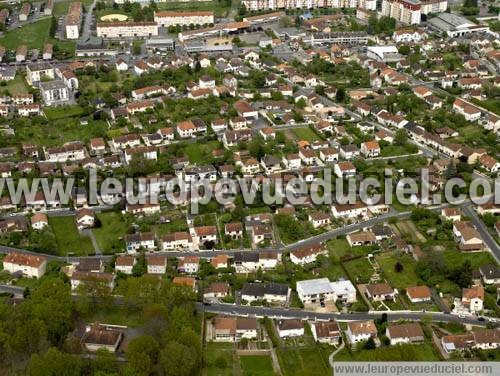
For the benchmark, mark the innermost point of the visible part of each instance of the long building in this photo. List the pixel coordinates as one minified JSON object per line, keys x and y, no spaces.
{"x":339,"y":37}
{"x":404,"y":11}
{"x":254,"y":5}
{"x":433,"y":6}
{"x":214,"y":31}
{"x":166,"y":19}
{"x":111,"y":30}
{"x":73,"y":20}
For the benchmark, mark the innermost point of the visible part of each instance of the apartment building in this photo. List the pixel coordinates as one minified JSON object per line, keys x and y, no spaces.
{"x":254,"y":5}
{"x":37,"y":72}
{"x":54,"y":93}
{"x":73,"y":20}
{"x":404,"y":11}
{"x":111,"y":30}
{"x":166,"y":19}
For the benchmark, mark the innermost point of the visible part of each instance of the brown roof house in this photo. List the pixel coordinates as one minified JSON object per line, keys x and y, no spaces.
{"x":405,"y":333}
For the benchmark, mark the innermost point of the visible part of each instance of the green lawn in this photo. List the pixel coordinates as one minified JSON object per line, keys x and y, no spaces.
{"x":302,"y":360}
{"x":421,"y":352}
{"x":359,"y":270}
{"x":455,"y":259}
{"x":306,"y":134}
{"x":110,"y":235}
{"x":219,"y":359}
{"x":33,"y":35}
{"x":340,"y":249}
{"x":16,"y":86}
{"x":406,"y":278}
{"x":256,"y":365}
{"x":201,"y":153}
{"x":68,"y":238}
{"x":56,"y":113}
{"x":214,"y":5}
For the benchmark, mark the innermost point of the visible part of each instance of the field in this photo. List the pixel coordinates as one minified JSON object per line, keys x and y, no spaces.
{"x":359,"y":270}
{"x":219,"y":9}
{"x":16,"y":86}
{"x":201,"y":153}
{"x":303,"y":360}
{"x":340,"y":249}
{"x":305,"y":133}
{"x":109,"y":235}
{"x":33,"y":35}
{"x":423,"y":352}
{"x":408,"y":228}
{"x":69,"y":240}
{"x":256,"y":365}
{"x":56,"y":113}
{"x":219,"y":359}
{"x":406,"y":278}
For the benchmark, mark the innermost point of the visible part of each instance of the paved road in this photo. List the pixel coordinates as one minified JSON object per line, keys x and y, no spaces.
{"x":483,"y":231}
{"x":14,"y":290}
{"x":290,"y":313}
{"x":87,"y":23}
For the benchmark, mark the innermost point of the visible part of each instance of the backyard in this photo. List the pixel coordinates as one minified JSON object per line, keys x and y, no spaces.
{"x":69,"y":241}
{"x":110,"y":235}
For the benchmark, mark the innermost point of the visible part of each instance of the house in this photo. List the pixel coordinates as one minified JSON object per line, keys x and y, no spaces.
{"x":379,"y":292}
{"x":233,"y":329}
{"x":246,"y":262}
{"x":206,"y":234}
{"x":307,"y":254}
{"x":244,"y":109}
{"x":186,"y":129}
{"x":92,"y":279}
{"x":370,"y":149}
{"x":329,"y":155}
{"x":135,"y":242}
{"x":121,"y":65}
{"x":217,"y":290}
{"x":290,"y":328}
{"x":275,"y":293}
{"x":419,"y":294}
{"x":85,"y":218}
{"x":361,"y":238}
{"x":233,"y":230}
{"x":326,"y":332}
{"x":125,"y":264}
{"x":220,"y":261}
{"x":189,"y":264}
{"x":359,"y":331}
{"x":490,"y":274}
{"x":473,"y":299}
{"x":260,"y":233}
{"x":292,"y":161}
{"x":39,"y":221}
{"x":467,"y":236}
{"x":29,"y":265}
{"x":21,"y":53}
{"x":404,"y":333}
{"x":188,"y":282}
{"x":176,"y":240}
{"x":489,"y":163}
{"x":315,"y":291}
{"x":485,"y":339}
{"x":102,"y":337}
{"x":451,"y":214}
{"x":156,"y":264}
{"x":319,"y":219}
{"x":471,"y":113}
{"x":345,"y":169}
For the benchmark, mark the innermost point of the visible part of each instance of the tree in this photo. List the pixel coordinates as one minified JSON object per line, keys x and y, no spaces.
{"x":400,"y":137}
{"x":142,"y":355}
{"x":105,"y":362}
{"x":54,"y":362}
{"x":398,"y":267}
{"x":340,"y":95}
{"x":177,"y":359}
{"x":370,"y":344}
{"x":451,"y":170}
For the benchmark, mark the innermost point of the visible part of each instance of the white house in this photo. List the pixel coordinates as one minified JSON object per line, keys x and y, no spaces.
{"x":29,"y":265}
{"x":358,"y":331}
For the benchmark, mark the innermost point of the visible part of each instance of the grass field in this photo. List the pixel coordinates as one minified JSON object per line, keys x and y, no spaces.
{"x":33,"y":35}
{"x":110,"y":235}
{"x":201,"y":153}
{"x":359,"y":269}
{"x":306,"y":134}
{"x":256,"y":365}
{"x":16,"y":86}
{"x":406,"y":278}
{"x":455,"y":259}
{"x":408,"y":228}
{"x":423,"y":352}
{"x":219,"y":359}
{"x":56,"y":113}
{"x":340,"y":248}
{"x":302,"y":360}
{"x":69,"y":240}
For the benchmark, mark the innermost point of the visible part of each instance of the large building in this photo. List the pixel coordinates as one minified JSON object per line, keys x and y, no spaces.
{"x":167,"y":19}
{"x":456,"y":26}
{"x":54,"y":93}
{"x":433,"y":6}
{"x":73,"y":20}
{"x":113,"y":30}
{"x":29,"y":265}
{"x":404,"y":11}
{"x":253,"y":5}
